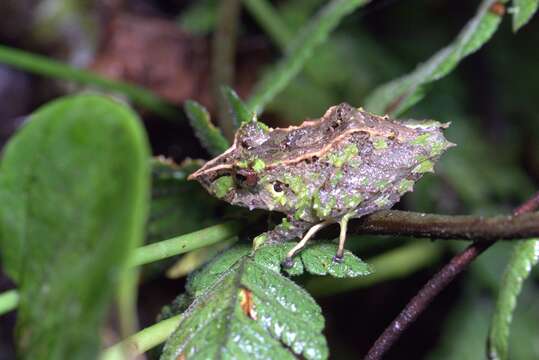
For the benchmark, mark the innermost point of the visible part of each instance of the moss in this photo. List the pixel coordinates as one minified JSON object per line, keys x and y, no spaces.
{"x":222,"y":186}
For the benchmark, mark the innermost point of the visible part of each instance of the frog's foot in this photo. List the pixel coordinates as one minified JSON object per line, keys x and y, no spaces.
{"x":289,"y":262}
{"x":339,"y":256}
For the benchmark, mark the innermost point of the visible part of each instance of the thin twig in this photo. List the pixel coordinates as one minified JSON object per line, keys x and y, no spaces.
{"x":435,"y":285}
{"x":223,"y":63}
{"x":530,"y":205}
{"x":465,"y":227}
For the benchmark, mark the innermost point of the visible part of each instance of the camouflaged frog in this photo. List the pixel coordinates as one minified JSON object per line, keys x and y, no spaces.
{"x":345,"y":165}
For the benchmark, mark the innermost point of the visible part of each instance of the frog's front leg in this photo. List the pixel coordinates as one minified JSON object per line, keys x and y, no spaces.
{"x":289,"y":262}
{"x":342,"y":237}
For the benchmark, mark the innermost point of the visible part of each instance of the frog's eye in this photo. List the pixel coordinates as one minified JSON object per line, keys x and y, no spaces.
{"x":278,"y":186}
{"x":246,"y":178}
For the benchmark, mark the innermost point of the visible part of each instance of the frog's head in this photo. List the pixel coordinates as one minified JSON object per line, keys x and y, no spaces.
{"x":238,"y":176}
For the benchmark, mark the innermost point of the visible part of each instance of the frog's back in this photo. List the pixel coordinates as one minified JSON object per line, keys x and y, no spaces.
{"x":317,"y":137}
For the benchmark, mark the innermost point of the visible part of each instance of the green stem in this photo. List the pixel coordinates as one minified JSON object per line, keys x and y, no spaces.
{"x":126,"y":302}
{"x":270,"y":21}
{"x":142,"y":341}
{"x":184,"y":243}
{"x":224,"y":55}
{"x":394,"y":264}
{"x":8,"y":301}
{"x":301,"y":49}
{"x":154,"y":252}
{"x":42,"y":65}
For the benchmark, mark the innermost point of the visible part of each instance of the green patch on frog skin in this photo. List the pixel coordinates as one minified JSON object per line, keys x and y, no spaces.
{"x":286,"y":225}
{"x":382,"y":184}
{"x":379,"y":144}
{"x":258,"y":165}
{"x":261,"y":125}
{"x":321,"y":209}
{"x":425,"y":166}
{"x":341,"y":157}
{"x":382,"y":201}
{"x":422,"y":140}
{"x":355,"y":162}
{"x":405,"y":186}
{"x":438,"y":147}
{"x":242,"y":164}
{"x":295,"y":183}
{"x":336,"y":178}
{"x":352,"y":201}
{"x":222,"y":186}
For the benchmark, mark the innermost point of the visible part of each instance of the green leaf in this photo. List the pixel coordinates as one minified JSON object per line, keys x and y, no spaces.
{"x":199,"y":17}
{"x":210,"y":136}
{"x":178,"y":206}
{"x":524,"y":257}
{"x":523,"y":10}
{"x":399,"y":95}
{"x":316,"y":259}
{"x":248,"y":311}
{"x":301,"y":49}
{"x":74,"y":189}
{"x":238,"y":110}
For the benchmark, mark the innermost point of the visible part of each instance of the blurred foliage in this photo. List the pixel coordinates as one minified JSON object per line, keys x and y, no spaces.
{"x":79,"y":162}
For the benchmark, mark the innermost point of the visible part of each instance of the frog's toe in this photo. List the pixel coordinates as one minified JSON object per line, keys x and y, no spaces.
{"x":338,"y":258}
{"x":287,"y":263}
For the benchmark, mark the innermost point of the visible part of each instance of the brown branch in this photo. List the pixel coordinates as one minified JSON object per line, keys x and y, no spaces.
{"x":465,"y":227}
{"x":438,"y":282}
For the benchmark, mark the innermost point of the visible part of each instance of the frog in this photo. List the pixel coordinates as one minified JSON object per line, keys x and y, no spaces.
{"x":345,"y":165}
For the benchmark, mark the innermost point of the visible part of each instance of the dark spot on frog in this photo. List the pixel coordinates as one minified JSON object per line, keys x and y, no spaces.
{"x":311,"y":160}
{"x":244,"y":144}
{"x":278,"y":186}
{"x":246,"y":177}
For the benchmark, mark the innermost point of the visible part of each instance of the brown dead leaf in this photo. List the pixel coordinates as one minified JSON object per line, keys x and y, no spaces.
{"x":160,"y":56}
{"x":157,"y":54}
